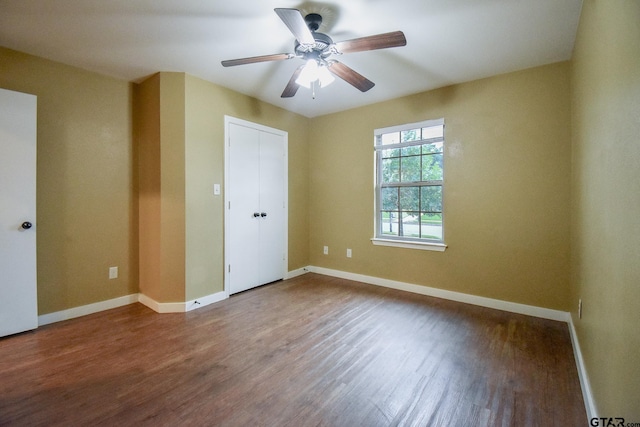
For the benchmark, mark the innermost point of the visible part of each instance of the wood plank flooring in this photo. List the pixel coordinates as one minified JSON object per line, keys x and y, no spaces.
{"x":310,"y":351}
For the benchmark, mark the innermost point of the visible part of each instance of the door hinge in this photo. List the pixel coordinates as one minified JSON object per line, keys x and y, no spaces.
{"x":229,"y":205}
{"x":229,"y":268}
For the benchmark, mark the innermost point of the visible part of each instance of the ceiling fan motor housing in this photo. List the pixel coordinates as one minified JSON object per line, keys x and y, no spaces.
{"x":320,"y":48}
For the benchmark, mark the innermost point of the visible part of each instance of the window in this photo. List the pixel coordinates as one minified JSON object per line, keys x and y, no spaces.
{"x":409,"y":176}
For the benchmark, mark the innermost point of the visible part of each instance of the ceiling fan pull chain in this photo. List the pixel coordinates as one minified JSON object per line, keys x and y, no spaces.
{"x":313,"y":90}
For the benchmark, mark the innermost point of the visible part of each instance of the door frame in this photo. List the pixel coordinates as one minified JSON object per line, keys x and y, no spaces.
{"x":228,"y":120}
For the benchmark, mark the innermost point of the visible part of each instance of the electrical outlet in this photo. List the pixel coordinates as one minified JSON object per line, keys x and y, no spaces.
{"x":348,"y":253}
{"x":580,"y":308}
{"x":326,"y":250}
{"x":113,"y":272}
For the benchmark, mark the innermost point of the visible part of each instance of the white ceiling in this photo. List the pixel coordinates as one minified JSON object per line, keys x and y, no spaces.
{"x":448,"y":41}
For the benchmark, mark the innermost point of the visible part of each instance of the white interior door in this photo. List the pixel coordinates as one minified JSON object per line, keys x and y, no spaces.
{"x":18,"y":298}
{"x":272,"y":223}
{"x":243,"y":209}
{"x":255,"y":220}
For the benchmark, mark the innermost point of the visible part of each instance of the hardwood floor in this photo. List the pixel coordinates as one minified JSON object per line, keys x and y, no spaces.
{"x":309,"y":351}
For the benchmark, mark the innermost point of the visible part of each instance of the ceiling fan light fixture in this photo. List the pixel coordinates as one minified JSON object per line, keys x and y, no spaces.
{"x":309,"y":74}
{"x":312,"y":72}
{"x":325,"y":77}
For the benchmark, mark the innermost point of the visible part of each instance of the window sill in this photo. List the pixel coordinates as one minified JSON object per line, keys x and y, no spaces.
{"x":424,"y":246}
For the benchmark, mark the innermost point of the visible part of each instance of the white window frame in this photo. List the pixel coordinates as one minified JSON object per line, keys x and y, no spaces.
{"x":401,"y":242}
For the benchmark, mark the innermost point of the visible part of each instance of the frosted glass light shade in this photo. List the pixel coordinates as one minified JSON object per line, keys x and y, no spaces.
{"x":312,"y":72}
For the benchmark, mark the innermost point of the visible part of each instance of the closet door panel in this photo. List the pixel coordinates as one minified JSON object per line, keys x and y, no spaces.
{"x":272,"y":221}
{"x":244,"y":226}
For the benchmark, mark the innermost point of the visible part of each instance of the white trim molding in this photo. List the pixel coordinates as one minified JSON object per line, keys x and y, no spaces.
{"x":295,"y":273}
{"x":84,"y":310}
{"x":181,"y":307}
{"x":409,"y":244}
{"x":587,"y":394}
{"x":205,"y":301}
{"x":172,"y":307}
{"x":512,"y":307}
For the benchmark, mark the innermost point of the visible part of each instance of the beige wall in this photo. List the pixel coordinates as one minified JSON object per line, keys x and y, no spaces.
{"x":181,"y":141}
{"x":606,"y":202}
{"x":206,"y":106}
{"x":90,"y":165}
{"x":147,"y":148}
{"x":86,"y":200}
{"x":506,"y":201}
{"x":160,"y":142}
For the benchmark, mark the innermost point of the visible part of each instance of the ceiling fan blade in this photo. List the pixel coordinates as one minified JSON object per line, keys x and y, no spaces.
{"x":293,"y":19}
{"x":254,"y":59}
{"x":292,"y":87}
{"x":350,"y":76}
{"x":379,"y":41}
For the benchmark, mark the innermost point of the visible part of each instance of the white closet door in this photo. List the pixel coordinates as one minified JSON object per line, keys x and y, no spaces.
{"x":18,"y":298}
{"x":244,"y":200}
{"x":255,"y":243}
{"x":271,"y":207}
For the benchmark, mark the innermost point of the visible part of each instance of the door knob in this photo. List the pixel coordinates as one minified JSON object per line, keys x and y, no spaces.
{"x":263,"y":214}
{"x":26,"y":225}
{"x":256,"y":214}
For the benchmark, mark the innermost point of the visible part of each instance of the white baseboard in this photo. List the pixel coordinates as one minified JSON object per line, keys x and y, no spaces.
{"x":296,"y":273}
{"x":206,"y":300}
{"x":181,"y":307}
{"x":71,"y":313}
{"x":177,"y":307}
{"x":587,"y":394}
{"x":512,"y":307}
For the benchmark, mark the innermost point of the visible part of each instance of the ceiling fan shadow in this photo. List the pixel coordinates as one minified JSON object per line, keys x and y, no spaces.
{"x":330,"y":13}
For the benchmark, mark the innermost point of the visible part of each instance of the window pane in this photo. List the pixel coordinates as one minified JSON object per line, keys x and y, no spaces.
{"x":391,"y":138}
{"x":433,"y":132}
{"x":386,"y":154}
{"x":410,"y":225}
{"x":431,"y":226}
{"x":410,"y":169}
{"x":410,"y":135}
{"x":409,"y":199}
{"x":389,"y":199}
{"x":435,"y":147}
{"x":390,"y":170}
{"x":431,"y":167}
{"x":411,"y":151}
{"x":389,"y":223}
{"x":431,"y":198}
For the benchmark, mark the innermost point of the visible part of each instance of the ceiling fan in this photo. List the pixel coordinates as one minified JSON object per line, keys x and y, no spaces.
{"x":316,"y":50}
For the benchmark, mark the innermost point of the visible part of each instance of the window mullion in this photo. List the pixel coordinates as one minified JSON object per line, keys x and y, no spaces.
{"x":408,"y":144}
{"x":437,"y":183}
